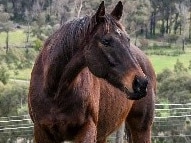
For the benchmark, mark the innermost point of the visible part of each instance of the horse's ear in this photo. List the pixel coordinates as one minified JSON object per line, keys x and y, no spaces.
{"x":100,"y":12}
{"x":117,"y":11}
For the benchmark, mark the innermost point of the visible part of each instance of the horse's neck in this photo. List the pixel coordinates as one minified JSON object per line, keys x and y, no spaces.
{"x":70,"y":72}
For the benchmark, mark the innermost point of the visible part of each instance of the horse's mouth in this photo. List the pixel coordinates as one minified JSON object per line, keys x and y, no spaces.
{"x":139,"y":88}
{"x":136,"y":94}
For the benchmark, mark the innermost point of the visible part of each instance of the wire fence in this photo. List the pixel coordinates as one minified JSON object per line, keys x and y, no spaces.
{"x":172,"y":124}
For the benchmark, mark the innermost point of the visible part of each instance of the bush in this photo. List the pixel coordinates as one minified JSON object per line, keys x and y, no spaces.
{"x":4,"y":75}
{"x":38,"y":44}
{"x":13,"y":99}
{"x":171,"y":38}
{"x":179,"y":67}
{"x":174,"y":87}
{"x":164,"y":75}
{"x":18,"y":58}
{"x":189,"y":67}
{"x":143,"y":43}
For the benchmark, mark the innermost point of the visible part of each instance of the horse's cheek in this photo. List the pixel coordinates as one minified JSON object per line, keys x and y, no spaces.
{"x":96,"y":63}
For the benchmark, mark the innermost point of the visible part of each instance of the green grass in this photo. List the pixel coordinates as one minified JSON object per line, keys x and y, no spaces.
{"x":159,"y":62}
{"x":24,"y":74}
{"x":16,"y":38}
{"x":162,"y":62}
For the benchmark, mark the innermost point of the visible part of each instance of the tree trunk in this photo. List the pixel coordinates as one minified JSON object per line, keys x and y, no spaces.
{"x":183,"y":44}
{"x":27,"y":37}
{"x":167,"y":24}
{"x":80,"y":8}
{"x":162,"y":29}
{"x":190,"y":23}
{"x":7,"y":42}
{"x":170,"y":22}
{"x":153,"y":23}
{"x":146,"y":31}
{"x":136,"y":37}
{"x":176,"y":23}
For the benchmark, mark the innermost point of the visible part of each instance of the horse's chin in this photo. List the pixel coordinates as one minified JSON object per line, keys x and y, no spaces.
{"x":135,"y":95}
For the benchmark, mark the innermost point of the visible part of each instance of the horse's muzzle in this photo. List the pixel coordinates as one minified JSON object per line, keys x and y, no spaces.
{"x":139,"y":88}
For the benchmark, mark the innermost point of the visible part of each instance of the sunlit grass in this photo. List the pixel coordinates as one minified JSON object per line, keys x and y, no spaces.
{"x":16,"y":38}
{"x":161,"y":62}
{"x":24,"y":74}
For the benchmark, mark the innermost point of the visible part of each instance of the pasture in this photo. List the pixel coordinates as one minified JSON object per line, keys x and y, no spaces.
{"x":16,"y":38}
{"x":160,"y":62}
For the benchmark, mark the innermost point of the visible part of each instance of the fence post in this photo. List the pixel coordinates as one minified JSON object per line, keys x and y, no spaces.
{"x":120,"y":134}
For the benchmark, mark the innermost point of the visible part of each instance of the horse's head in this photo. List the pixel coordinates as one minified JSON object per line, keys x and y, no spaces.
{"x":108,"y":54}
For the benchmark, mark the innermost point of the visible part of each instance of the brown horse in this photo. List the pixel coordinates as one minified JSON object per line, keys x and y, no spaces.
{"x":88,"y":79}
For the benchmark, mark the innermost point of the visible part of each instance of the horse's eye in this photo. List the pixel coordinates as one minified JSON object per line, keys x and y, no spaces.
{"x":106,"y":42}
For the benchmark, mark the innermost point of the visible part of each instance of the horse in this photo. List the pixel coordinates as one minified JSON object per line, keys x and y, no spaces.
{"x":88,"y":79}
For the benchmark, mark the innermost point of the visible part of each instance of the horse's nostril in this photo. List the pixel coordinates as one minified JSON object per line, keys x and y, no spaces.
{"x":140,"y":84}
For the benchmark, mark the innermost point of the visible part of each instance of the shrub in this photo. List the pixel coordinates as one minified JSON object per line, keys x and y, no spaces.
{"x":189,"y":67}
{"x":18,"y":58}
{"x":179,"y":67}
{"x":4,"y":75}
{"x":165,"y":74}
{"x":13,"y":98}
{"x":143,"y":43}
{"x":38,"y":44}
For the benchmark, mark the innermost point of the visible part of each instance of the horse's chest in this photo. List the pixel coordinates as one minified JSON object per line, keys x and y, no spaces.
{"x":114,"y":108}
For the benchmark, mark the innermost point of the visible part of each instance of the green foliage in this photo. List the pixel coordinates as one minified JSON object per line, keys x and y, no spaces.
{"x":174,"y":87}
{"x":164,"y":75}
{"x":13,"y":104}
{"x":179,"y":67}
{"x":4,"y":75}
{"x":189,"y":67}
{"x":137,"y":17}
{"x":38,"y":44}
{"x":143,"y":43}
{"x":13,"y":99}
{"x":18,"y":58}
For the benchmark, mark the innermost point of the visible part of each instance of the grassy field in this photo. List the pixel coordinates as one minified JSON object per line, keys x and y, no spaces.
{"x":16,"y":38}
{"x":160,"y":62}
{"x":21,"y":75}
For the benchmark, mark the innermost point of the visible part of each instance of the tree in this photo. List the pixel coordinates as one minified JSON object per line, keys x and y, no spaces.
{"x":5,"y":25}
{"x":28,"y":17}
{"x":137,"y":16}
